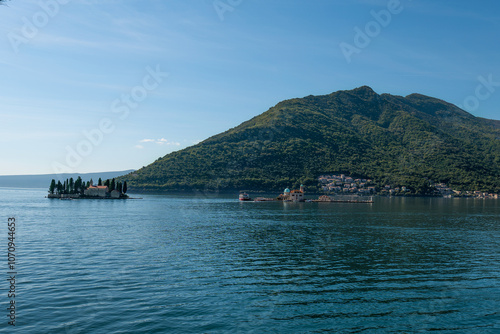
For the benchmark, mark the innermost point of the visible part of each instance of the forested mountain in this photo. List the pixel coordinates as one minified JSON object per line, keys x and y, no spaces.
{"x":391,"y":139}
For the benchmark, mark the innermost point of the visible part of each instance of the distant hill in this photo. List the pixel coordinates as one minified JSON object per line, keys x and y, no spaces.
{"x":392,"y":139}
{"x":43,"y":181}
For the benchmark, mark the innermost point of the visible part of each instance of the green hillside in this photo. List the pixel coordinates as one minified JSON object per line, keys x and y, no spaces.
{"x":391,"y":139}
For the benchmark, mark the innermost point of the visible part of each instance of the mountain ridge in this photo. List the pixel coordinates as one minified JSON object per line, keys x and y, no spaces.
{"x":38,"y":181}
{"x":391,"y":139}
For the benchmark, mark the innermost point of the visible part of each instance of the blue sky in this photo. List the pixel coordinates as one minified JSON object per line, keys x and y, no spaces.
{"x":89,"y":86}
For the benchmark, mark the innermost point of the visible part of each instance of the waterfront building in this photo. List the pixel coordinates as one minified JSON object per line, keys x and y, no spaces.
{"x":96,"y":191}
{"x":296,"y":195}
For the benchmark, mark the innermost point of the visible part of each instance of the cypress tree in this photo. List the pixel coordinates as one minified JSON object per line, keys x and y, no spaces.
{"x":78,"y":185}
{"x":113,"y":185}
{"x":119,"y":187}
{"x":52,"y":186}
{"x":99,"y":183}
{"x":124,"y":187}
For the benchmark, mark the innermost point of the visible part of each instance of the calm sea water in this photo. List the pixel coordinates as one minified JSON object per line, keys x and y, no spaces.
{"x":192,"y":264}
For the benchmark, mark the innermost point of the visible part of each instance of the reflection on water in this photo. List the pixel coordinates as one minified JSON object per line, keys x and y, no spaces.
{"x":168,"y":264}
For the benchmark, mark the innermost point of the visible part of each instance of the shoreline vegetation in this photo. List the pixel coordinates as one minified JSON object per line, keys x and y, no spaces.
{"x":342,"y":184}
{"x":339,"y":186}
{"x":342,"y":189}
{"x":79,"y":189}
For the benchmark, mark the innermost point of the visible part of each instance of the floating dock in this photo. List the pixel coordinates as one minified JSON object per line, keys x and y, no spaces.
{"x":343,"y":199}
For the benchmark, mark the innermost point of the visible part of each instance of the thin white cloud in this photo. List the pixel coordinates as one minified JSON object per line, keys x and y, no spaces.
{"x":161,"y":141}
{"x":139,"y":147}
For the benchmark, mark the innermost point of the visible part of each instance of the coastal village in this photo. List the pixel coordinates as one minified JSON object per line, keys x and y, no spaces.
{"x":342,"y":184}
{"x":347,"y":185}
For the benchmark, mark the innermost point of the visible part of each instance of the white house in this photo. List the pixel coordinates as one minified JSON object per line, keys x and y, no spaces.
{"x":297,"y":195}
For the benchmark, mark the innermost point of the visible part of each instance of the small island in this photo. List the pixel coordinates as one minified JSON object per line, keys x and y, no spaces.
{"x":78,"y":189}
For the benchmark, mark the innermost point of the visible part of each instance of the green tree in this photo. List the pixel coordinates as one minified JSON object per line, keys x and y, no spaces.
{"x":71,"y":185}
{"x":106,"y":183}
{"x":125,"y":187}
{"x":119,"y":187}
{"x":52,"y":186}
{"x":99,"y":183}
{"x":59,"y":187}
{"x":79,"y":185}
{"x":113,"y":185}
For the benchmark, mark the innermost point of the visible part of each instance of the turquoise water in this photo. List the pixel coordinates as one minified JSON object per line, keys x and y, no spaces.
{"x":195,"y":264}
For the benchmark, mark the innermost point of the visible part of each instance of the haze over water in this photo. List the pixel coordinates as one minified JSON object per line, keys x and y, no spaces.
{"x":194,"y":264}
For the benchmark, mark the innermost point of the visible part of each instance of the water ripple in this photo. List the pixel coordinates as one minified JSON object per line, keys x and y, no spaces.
{"x":174,"y":264}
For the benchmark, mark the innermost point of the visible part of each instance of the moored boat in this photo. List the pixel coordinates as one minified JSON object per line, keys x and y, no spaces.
{"x":244,"y":197}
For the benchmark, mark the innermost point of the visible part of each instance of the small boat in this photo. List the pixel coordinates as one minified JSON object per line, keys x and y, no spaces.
{"x":244,"y":197}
